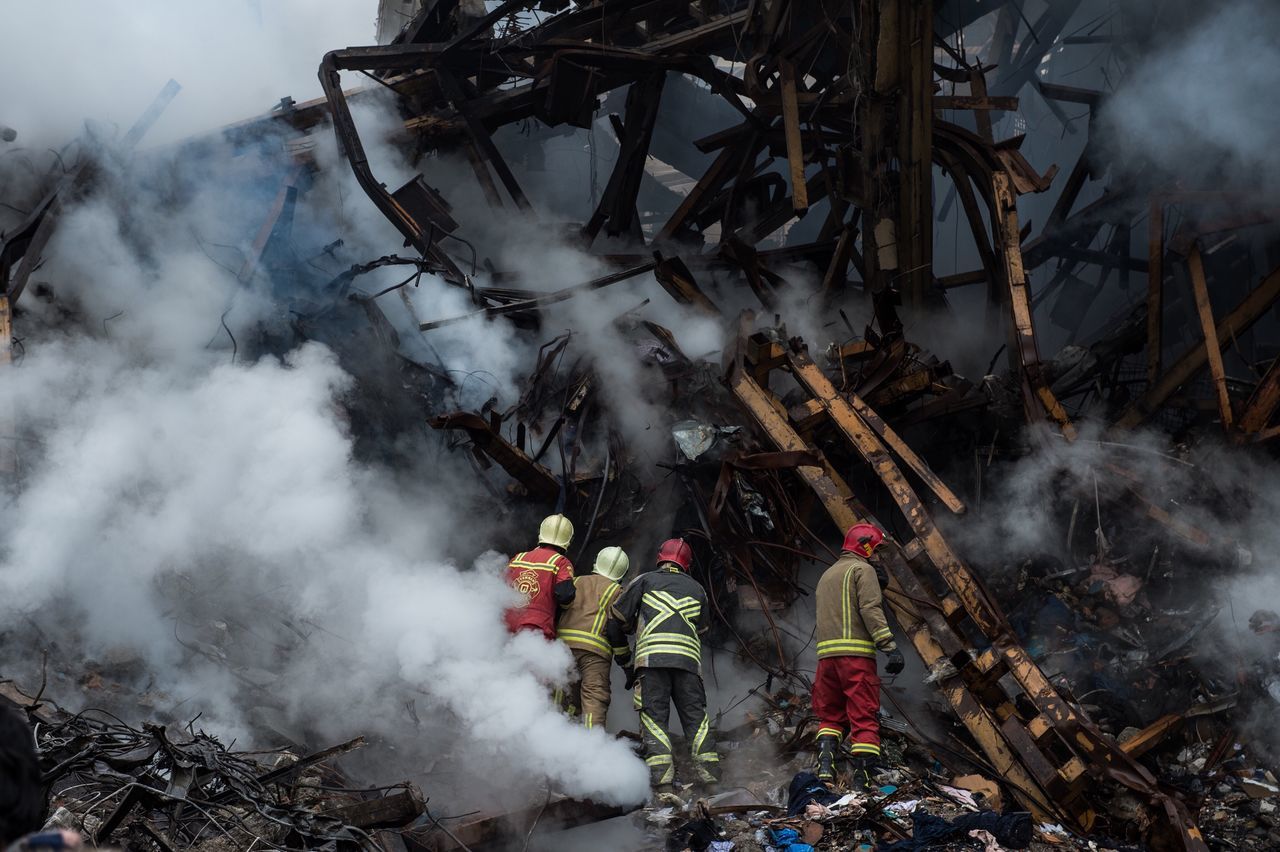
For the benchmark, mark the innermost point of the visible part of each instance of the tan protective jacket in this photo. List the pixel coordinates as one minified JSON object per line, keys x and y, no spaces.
{"x":851,"y":620}
{"x":585,"y":623}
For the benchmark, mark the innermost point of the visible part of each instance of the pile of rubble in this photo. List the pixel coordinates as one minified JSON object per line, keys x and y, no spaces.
{"x":1067,"y":685}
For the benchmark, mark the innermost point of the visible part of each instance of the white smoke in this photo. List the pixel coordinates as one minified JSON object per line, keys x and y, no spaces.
{"x":1200,"y":105}
{"x":67,"y":62}
{"x":208,"y":517}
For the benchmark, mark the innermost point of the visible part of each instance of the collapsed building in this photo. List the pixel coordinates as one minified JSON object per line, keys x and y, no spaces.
{"x":771,"y":163}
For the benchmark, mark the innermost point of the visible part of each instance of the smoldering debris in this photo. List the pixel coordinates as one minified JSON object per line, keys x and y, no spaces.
{"x":275,"y":398}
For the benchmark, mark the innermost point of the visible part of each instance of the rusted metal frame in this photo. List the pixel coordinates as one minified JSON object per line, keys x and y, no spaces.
{"x":978,"y":227}
{"x":915,"y":151}
{"x":596,"y":22}
{"x":782,"y":212}
{"x":734,"y":159}
{"x":483,"y":176}
{"x":791,"y":129}
{"x":1038,"y":399}
{"x":745,"y":257}
{"x":676,"y":278}
{"x":1213,"y":349}
{"x":344,"y":127}
{"x":1237,"y":322}
{"x":537,"y":479}
{"x":1067,"y":198}
{"x":695,"y":36}
{"x":482,"y":139}
{"x":836,"y":276}
{"x":29,"y":239}
{"x":1155,"y":288}
{"x":1070,"y":94}
{"x":617,"y":207}
{"x":1262,"y":403}
{"x":978,"y":87}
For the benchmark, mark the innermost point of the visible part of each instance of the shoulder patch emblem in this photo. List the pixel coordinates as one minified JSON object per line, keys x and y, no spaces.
{"x":526,"y":583}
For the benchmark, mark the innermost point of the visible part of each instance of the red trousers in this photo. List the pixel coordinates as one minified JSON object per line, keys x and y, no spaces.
{"x":846,"y":697}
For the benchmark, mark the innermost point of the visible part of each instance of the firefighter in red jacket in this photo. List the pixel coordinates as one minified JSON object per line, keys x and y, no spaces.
{"x":543,"y":577}
{"x":851,"y":627}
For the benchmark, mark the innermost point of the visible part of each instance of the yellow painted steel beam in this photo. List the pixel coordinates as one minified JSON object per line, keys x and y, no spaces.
{"x":1038,"y":399}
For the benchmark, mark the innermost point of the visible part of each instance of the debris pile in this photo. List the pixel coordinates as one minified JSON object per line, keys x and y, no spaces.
{"x":1071,"y":682}
{"x":158,"y":788}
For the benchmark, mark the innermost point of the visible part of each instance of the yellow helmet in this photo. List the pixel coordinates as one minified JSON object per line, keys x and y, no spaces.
{"x":556,"y":530}
{"x":612,"y":562}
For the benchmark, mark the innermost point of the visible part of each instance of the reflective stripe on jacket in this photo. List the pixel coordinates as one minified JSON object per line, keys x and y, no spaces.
{"x":585,"y":624}
{"x":534,"y":575}
{"x":851,"y":620}
{"x":667,"y":611}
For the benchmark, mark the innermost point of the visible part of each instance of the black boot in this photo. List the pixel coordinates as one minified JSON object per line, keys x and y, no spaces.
{"x":826,"y":770}
{"x":862,"y":781}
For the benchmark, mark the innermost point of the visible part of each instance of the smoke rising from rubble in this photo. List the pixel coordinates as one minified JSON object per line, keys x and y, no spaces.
{"x":105,"y":61}
{"x":206,"y":523}
{"x":1210,"y":486}
{"x":1199,"y":106}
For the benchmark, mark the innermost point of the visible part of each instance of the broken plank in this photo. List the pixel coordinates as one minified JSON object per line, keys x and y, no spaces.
{"x":537,"y":480}
{"x":1195,"y":265}
{"x":1237,"y":322}
{"x":1257,"y":411}
{"x":390,"y":811}
{"x":791,"y":129}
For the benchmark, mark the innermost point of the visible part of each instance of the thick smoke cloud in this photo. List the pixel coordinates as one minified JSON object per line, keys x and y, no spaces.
{"x":1199,"y":105}
{"x":67,"y":62}
{"x":202,"y":519}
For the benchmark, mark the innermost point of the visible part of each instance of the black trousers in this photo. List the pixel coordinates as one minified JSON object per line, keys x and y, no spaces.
{"x":656,"y":690}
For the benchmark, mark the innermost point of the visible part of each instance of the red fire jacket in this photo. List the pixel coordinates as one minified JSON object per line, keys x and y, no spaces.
{"x":535,"y":574}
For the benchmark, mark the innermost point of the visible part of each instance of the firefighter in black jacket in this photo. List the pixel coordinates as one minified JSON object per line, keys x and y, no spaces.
{"x":667,"y":611}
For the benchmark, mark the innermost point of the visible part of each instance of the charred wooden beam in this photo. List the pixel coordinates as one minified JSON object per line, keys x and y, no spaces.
{"x":1237,"y":322}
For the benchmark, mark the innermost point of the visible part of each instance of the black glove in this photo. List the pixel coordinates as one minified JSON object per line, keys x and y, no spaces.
{"x":630,"y":672}
{"x":895,"y":664}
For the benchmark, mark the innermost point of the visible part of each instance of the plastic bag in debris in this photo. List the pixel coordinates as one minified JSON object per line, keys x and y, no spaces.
{"x":788,"y":839}
{"x":695,"y":438}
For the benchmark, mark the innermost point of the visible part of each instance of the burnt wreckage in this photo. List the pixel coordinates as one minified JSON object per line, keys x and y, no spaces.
{"x":836,"y":116}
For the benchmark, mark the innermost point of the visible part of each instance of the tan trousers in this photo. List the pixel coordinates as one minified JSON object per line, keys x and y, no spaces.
{"x":590,"y":695}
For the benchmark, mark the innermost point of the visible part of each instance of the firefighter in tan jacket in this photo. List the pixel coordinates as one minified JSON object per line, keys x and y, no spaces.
{"x":595,"y":637}
{"x":851,"y":626}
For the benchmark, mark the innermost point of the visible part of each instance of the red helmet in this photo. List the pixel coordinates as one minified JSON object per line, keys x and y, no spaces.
{"x":676,"y":550}
{"x":863,"y":539}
